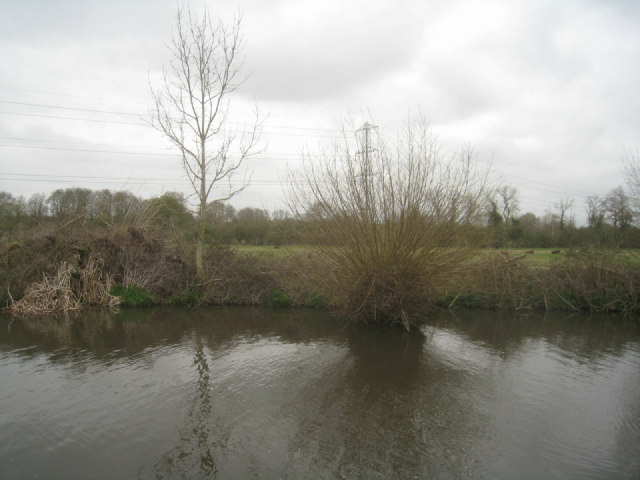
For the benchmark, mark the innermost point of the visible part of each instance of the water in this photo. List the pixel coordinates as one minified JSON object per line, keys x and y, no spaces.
{"x":244,"y":393}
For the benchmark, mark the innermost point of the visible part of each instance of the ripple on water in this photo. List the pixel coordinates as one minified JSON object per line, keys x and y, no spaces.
{"x":187,"y":400}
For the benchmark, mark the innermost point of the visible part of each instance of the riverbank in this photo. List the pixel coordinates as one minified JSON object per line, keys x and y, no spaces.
{"x":72,"y":270}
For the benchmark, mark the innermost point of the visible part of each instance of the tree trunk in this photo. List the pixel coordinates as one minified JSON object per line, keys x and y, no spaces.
{"x":201,"y":215}
{"x":200,"y":250}
{"x":203,"y":202}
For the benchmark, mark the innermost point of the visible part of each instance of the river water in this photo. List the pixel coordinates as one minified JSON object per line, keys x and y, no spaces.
{"x":242,"y":393}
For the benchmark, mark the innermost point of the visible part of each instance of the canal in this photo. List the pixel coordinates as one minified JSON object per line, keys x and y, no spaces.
{"x":253,"y":393}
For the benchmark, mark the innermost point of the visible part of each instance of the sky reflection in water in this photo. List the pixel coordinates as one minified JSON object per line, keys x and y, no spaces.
{"x":239,"y":393}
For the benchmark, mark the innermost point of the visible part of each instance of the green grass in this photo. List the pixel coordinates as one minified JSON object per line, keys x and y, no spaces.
{"x":539,"y":258}
{"x":278,"y":299}
{"x":270,"y":250}
{"x":131,"y":296}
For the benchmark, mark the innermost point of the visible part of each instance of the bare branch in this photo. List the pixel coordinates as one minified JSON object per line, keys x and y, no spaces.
{"x":390,"y":220}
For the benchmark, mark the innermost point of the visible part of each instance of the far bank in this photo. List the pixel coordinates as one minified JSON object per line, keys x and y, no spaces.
{"x":75,"y":269}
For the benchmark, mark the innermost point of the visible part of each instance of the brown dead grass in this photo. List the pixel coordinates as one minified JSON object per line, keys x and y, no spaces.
{"x":69,"y":289}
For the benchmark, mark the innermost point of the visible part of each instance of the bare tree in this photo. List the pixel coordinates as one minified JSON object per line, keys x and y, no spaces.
{"x":508,"y":199}
{"x":617,"y":208}
{"x":595,"y":211}
{"x":192,"y":105}
{"x":390,"y":223}
{"x":502,"y":206}
{"x":563,"y":207}
{"x":220,"y":212}
{"x":37,"y":206}
{"x":631,"y":164}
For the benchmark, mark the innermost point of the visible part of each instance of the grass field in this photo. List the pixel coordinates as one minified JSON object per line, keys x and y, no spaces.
{"x":270,"y":250}
{"x":540,"y":256}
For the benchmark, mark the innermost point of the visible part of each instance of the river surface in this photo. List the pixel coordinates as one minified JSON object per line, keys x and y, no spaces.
{"x":235,"y":393}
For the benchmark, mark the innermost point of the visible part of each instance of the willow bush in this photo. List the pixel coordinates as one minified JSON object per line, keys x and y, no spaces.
{"x":391,"y":222}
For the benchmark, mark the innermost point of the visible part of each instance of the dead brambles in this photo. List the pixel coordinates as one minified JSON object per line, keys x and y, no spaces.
{"x":9,"y":247}
{"x":70,"y":288}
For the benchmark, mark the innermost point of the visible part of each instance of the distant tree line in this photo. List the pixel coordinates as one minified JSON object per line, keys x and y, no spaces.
{"x":169,"y":214}
{"x":611,"y":221}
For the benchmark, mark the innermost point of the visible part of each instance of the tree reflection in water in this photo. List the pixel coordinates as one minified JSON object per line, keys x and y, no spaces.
{"x":389,"y":410}
{"x":195,"y":454}
{"x":239,"y":393}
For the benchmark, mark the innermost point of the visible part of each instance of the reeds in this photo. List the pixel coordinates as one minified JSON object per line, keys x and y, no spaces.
{"x":70,"y":288}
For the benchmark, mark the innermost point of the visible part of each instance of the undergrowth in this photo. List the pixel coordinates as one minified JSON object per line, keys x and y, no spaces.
{"x":131,"y":296}
{"x":278,"y":299}
{"x":70,"y":271}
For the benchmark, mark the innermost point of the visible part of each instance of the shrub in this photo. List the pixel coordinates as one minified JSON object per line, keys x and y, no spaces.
{"x":278,"y":299}
{"x":390,"y":223}
{"x":131,"y":296}
{"x":187,"y":299}
{"x":315,"y":300}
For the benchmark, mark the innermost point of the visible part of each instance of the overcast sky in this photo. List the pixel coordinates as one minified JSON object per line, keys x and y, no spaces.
{"x":547,"y":91}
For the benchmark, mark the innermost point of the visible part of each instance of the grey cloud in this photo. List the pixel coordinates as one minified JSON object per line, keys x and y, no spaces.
{"x":548,"y":87}
{"x":37,"y":21}
{"x":343,"y":51}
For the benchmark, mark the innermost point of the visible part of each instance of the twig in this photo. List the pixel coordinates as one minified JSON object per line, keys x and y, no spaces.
{"x":202,"y":284}
{"x":565,"y":300}
{"x":10,"y":297}
{"x":70,"y":222}
{"x":454,"y":300}
{"x":509,"y":260}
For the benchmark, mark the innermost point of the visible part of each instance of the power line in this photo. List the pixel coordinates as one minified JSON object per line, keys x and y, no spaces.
{"x":524,"y":182}
{"x":171,"y":149}
{"x":77,"y":178}
{"x":141,"y":115}
{"x":115,"y":100}
{"x":277,"y":157}
{"x":87,"y":150}
{"x":44,"y":140}
{"x":60,"y":107}
{"x":533,"y":184}
{"x":144,"y":182}
{"x":60,"y":94}
{"x":83,"y":176}
{"x":141,"y":124}
{"x":526,"y":179}
{"x":58,"y":117}
{"x":174,"y":154}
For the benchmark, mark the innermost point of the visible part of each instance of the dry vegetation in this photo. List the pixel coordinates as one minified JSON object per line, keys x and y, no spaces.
{"x":592,"y":280}
{"x":74,"y":269}
{"x":389,"y":236}
{"x":70,"y":288}
{"x":379,"y":217}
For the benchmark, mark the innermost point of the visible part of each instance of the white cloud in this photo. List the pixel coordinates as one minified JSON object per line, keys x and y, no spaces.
{"x":313,"y":50}
{"x":547,"y":89}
